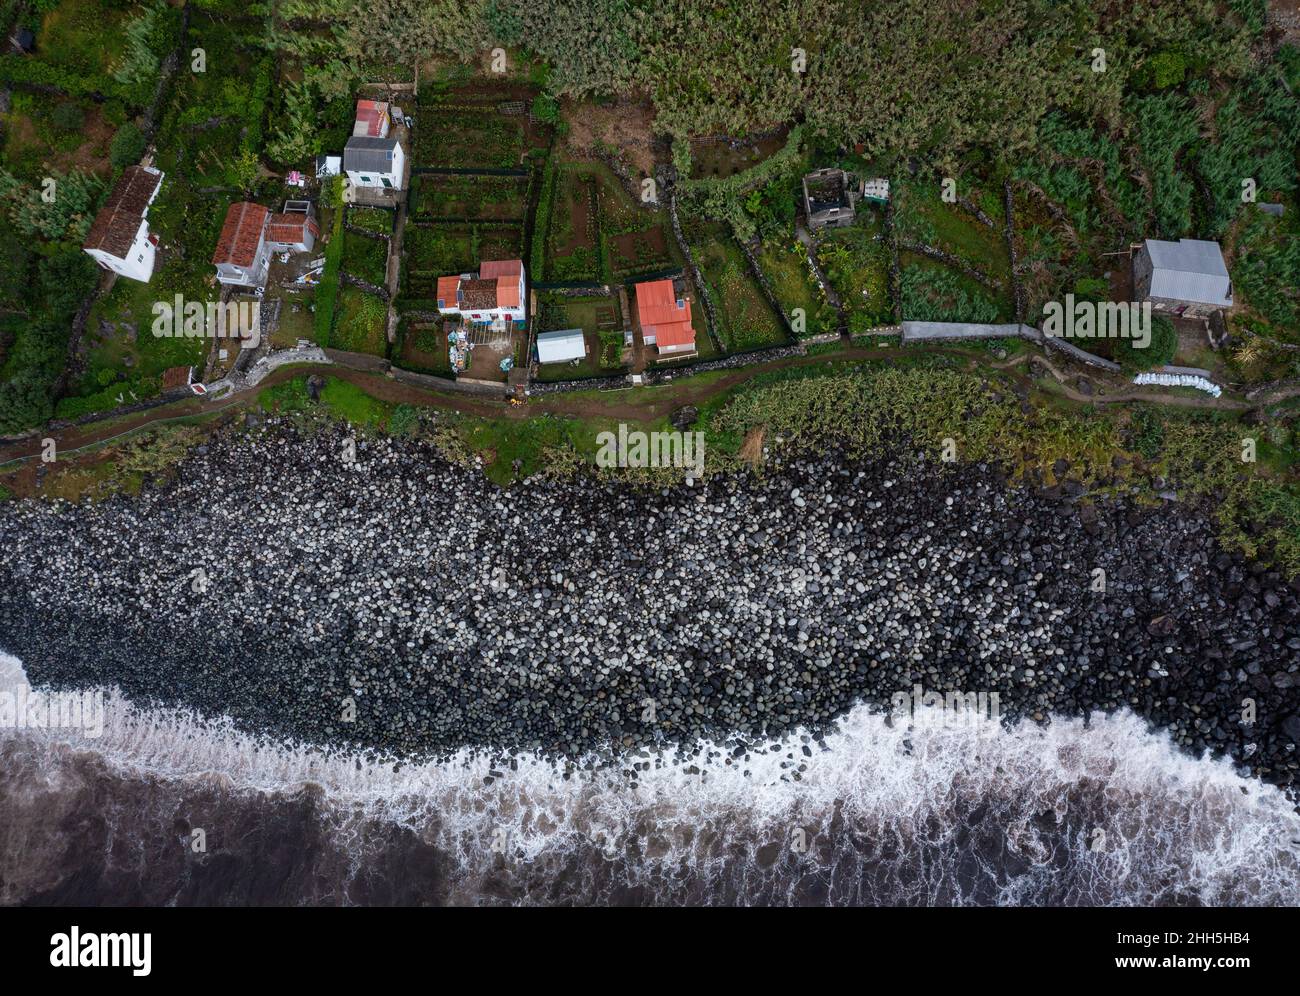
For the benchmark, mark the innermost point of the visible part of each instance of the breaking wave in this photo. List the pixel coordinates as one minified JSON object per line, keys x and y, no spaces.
{"x":171,"y":807}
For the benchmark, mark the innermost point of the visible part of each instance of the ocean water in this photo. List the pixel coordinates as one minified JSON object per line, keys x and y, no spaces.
{"x":169,"y":807}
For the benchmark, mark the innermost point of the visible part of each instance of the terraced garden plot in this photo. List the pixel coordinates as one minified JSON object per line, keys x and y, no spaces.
{"x":366,"y":258}
{"x":468,"y":138}
{"x":494,"y":198}
{"x":922,"y":217}
{"x":439,"y":249}
{"x":602,"y":326}
{"x":433,"y":251}
{"x":933,"y":292}
{"x":745,"y":319}
{"x":371,"y":219}
{"x":573,"y":240}
{"x":787,"y":270}
{"x":424,"y":349}
{"x":857,"y":267}
{"x":360,"y":323}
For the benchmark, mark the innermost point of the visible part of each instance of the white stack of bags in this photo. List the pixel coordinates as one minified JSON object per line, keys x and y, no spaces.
{"x":1179,"y":380}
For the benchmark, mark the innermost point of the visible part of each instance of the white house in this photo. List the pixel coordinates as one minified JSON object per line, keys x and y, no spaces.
{"x":243,"y":253}
{"x":373,"y":161}
{"x":294,"y":229}
{"x":494,"y":294}
{"x":119,"y":238}
{"x":561,"y":346}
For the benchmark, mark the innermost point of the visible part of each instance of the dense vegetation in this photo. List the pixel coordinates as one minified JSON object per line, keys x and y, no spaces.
{"x":1113,"y":120}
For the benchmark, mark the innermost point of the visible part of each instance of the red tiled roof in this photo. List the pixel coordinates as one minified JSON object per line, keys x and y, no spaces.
{"x":447,"y":291}
{"x":289,"y":226}
{"x":508,"y":271}
{"x":114,"y":228}
{"x":478,"y":295}
{"x":371,"y":113}
{"x":656,"y":308}
{"x":240,"y":234}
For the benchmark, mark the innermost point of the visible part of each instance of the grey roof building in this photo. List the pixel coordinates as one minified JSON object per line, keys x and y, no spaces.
{"x":1185,"y":277}
{"x":365,"y":154}
{"x":561,"y":346}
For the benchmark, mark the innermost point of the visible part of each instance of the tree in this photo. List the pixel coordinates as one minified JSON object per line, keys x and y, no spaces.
{"x":127,"y":146}
{"x":66,"y":278}
{"x":25,"y":401}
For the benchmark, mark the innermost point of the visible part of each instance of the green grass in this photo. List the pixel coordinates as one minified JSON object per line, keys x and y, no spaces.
{"x":857,"y":266}
{"x":371,"y":219}
{"x":360,"y":324}
{"x":787,"y":270}
{"x":83,"y":36}
{"x":338,"y":398}
{"x":747,"y":320}
{"x":366,"y":258}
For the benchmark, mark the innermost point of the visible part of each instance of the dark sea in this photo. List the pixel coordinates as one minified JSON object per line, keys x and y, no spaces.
{"x":169,"y":808}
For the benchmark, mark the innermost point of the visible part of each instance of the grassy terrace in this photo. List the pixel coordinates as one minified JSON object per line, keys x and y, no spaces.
{"x":746,"y":320}
{"x":787,"y":269}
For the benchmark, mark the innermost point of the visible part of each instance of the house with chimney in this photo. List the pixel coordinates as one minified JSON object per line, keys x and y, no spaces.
{"x":663,"y":309}
{"x":119,"y":238}
{"x":492,"y":296}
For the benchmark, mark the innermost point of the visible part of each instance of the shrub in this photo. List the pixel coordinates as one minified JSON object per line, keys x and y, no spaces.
{"x":68,"y":117}
{"x":127,"y":146}
{"x":1159,"y":351}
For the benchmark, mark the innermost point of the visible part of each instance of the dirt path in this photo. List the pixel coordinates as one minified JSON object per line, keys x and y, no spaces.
{"x":1222,"y":404}
{"x":689,"y":391}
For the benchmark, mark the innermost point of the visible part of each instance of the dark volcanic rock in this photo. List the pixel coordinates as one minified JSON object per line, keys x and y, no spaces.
{"x":406,"y":605}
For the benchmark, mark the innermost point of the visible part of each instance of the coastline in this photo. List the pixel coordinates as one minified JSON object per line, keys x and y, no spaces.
{"x":548,"y":617}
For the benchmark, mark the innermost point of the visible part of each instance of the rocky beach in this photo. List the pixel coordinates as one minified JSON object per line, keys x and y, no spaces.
{"x":406,"y":608}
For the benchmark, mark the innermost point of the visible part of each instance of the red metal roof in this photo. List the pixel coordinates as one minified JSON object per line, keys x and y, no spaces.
{"x":447,"y":291}
{"x":657,"y":310}
{"x":240,"y":234}
{"x":371,"y":113}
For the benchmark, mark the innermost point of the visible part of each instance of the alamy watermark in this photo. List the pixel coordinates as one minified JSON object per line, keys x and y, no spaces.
{"x":25,"y":709}
{"x":184,"y":319}
{"x":636,"y":448}
{"x":1098,"y":320}
{"x":932,"y":710}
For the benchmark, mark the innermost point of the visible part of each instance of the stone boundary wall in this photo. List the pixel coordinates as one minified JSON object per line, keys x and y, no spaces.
{"x":959,"y":331}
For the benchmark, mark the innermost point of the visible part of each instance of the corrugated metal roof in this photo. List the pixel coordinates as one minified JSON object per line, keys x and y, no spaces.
{"x":369,"y":155}
{"x":561,"y":345}
{"x":1189,"y":270}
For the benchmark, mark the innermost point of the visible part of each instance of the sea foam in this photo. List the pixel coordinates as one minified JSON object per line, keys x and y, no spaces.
{"x":1107,"y":812}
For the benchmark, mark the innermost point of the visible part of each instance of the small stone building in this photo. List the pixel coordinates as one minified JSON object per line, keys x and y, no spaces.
{"x":830,"y":198}
{"x":1187,"y":277}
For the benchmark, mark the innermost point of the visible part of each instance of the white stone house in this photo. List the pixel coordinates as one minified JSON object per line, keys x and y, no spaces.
{"x":493,"y":295}
{"x":374,"y":161}
{"x":119,"y":238}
